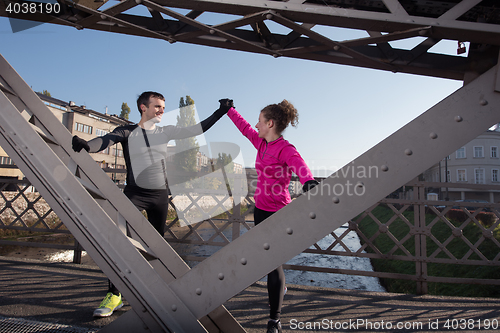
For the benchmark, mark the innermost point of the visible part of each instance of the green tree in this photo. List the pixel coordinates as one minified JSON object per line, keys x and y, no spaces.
{"x":125,"y":111}
{"x":226,"y":161}
{"x":187,"y":149}
{"x":46,"y":93}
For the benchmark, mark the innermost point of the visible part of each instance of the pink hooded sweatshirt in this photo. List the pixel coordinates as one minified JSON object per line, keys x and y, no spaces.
{"x":276,"y":160}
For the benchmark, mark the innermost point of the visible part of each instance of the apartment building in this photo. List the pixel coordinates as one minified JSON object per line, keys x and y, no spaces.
{"x":478,"y":162}
{"x":85,"y":123}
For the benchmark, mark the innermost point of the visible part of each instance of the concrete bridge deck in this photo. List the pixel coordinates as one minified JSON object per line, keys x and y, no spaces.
{"x":34,"y":292}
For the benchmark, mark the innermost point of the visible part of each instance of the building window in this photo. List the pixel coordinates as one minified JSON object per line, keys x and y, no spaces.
{"x":494,"y":175}
{"x":494,"y":152}
{"x":105,"y":151}
{"x":479,"y":176}
{"x":102,"y":164}
{"x":461,"y":175}
{"x":448,"y":176}
{"x":119,"y":154}
{"x":460,"y":153}
{"x":83,"y":128}
{"x":5,"y":160}
{"x":478,"y":152}
{"x":100,"y":132}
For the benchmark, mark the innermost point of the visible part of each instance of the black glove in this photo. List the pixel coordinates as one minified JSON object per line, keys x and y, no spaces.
{"x":79,"y":144}
{"x":309,"y":185}
{"x":225,"y":105}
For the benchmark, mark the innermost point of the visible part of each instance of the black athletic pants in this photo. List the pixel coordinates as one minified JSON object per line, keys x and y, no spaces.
{"x":275,"y":279}
{"x":155,"y":203}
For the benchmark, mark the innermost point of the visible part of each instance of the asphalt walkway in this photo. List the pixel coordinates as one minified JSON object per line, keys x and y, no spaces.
{"x":64,"y":295}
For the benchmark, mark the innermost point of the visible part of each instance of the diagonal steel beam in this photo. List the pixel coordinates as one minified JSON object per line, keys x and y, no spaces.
{"x":211,"y":30}
{"x":411,"y":150}
{"x":328,"y":42}
{"x":96,"y":222}
{"x":348,"y":18}
{"x":113,"y":19}
{"x":95,"y":17}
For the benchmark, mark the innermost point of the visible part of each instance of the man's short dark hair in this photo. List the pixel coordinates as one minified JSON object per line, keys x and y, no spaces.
{"x":144,"y":98}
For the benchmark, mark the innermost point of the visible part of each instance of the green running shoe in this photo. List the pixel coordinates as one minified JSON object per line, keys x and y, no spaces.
{"x":109,"y":304}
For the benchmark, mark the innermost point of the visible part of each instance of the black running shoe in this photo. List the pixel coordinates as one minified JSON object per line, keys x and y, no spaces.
{"x":273,"y":326}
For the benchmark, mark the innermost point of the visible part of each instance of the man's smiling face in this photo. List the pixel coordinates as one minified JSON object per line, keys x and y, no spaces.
{"x":154,"y":110}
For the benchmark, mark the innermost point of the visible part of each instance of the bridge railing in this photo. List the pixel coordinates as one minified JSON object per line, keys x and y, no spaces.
{"x":406,"y":228}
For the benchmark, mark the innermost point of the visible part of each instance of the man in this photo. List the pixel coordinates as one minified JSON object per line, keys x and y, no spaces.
{"x":145,"y":150}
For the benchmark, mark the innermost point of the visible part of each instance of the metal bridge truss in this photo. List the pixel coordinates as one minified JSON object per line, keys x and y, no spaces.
{"x":258,"y":26}
{"x":167,"y":296}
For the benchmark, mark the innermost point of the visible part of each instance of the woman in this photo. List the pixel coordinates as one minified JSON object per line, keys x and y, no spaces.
{"x":276,"y":160}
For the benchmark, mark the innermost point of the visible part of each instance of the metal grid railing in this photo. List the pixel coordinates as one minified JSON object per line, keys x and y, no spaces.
{"x":19,"y":325}
{"x":408,"y":229}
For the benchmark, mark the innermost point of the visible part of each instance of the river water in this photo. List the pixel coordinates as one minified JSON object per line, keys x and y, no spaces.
{"x":306,"y":278}
{"x":331,"y":280}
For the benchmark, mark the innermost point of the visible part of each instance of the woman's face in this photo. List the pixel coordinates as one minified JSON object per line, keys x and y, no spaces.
{"x":263,"y":126}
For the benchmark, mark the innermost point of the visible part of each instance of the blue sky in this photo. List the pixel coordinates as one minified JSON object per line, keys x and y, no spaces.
{"x":343,"y":110}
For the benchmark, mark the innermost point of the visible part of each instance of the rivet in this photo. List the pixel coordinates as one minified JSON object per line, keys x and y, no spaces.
{"x":174,"y":307}
{"x":336,"y":200}
{"x":269,"y":16}
{"x":128,"y":271}
{"x":408,"y":152}
{"x":103,"y":17}
{"x":433,"y":135}
{"x":220,"y":276}
{"x":289,"y":231}
{"x":138,"y":2}
{"x":171,"y":41}
{"x":198,"y":291}
{"x":267,"y":246}
{"x":360,"y":184}
{"x":276,"y":55}
{"x":336,"y":47}
{"x":144,"y":310}
{"x":458,"y":119}
{"x":483,"y":102}
{"x":488,"y":234}
{"x":243,"y":261}
{"x":212,"y":31}
{"x":312,"y":215}
{"x":385,"y":168}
